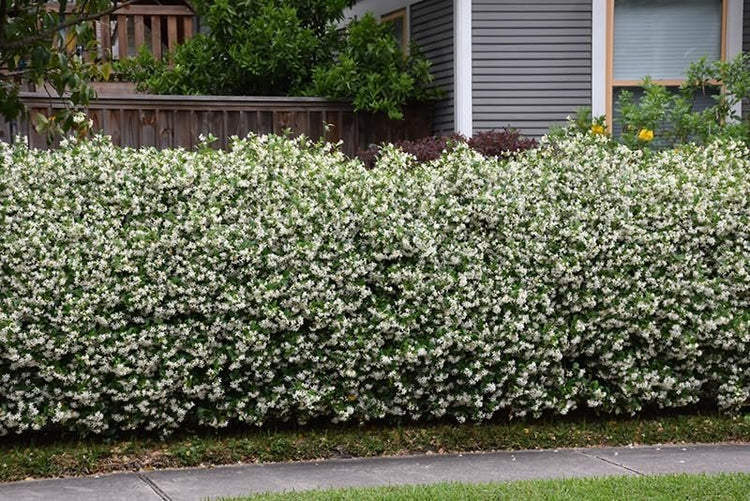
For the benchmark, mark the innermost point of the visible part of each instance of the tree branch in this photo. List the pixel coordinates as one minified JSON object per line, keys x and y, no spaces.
{"x":67,"y":24}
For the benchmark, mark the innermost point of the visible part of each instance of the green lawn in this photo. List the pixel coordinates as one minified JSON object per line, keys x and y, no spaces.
{"x":666,"y":487}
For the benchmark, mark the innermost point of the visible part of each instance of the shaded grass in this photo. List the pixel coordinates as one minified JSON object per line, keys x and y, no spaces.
{"x":666,"y":487}
{"x":50,"y":457}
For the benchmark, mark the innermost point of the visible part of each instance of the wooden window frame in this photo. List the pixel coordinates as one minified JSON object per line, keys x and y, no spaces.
{"x":613,"y":84}
{"x":392,"y":16}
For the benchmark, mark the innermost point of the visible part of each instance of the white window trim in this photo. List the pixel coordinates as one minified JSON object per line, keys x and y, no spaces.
{"x":598,"y":58}
{"x":735,"y":16}
{"x":462,"y":68}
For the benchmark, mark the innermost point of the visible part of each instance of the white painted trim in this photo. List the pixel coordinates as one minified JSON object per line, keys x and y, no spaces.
{"x":734,"y":35}
{"x":598,"y":57}
{"x":462,"y":68}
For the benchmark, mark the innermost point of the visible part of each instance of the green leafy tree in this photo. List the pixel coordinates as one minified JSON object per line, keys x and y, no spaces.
{"x":275,"y":47}
{"x":374,"y":72}
{"x":42,"y":43}
{"x":253,"y":47}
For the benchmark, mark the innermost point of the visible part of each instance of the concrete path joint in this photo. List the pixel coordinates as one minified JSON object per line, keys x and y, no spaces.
{"x":154,"y":487}
{"x":615,"y":463}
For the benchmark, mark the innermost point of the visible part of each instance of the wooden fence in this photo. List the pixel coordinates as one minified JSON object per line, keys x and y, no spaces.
{"x":177,"y":121}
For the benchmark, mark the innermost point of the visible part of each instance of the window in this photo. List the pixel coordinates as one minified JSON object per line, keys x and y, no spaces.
{"x":397,"y":19}
{"x":660,"y":38}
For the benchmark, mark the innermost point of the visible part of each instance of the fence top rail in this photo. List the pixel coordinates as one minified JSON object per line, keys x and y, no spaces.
{"x":153,"y":101}
{"x":137,"y":9}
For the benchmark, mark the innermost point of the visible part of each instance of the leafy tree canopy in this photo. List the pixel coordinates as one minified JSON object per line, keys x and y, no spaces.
{"x":252,"y":47}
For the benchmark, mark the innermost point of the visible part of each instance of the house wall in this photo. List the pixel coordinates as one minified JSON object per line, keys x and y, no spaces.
{"x":746,"y":47}
{"x":432,"y":29}
{"x":531,"y":62}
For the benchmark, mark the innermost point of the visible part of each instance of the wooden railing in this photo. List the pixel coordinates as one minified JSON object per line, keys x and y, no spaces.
{"x":159,"y":27}
{"x":177,"y":121}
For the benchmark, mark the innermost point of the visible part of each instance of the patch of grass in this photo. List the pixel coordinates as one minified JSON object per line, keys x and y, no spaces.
{"x":665,"y":487}
{"x":38,"y":457}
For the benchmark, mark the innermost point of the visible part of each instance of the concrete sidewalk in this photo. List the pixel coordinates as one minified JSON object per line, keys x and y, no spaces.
{"x":195,"y":484}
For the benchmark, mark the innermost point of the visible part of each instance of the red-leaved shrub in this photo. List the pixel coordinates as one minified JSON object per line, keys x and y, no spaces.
{"x":488,"y":143}
{"x":497,"y":142}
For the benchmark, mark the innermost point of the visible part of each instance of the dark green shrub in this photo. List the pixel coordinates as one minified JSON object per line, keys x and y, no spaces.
{"x":253,"y":47}
{"x":373,"y":71}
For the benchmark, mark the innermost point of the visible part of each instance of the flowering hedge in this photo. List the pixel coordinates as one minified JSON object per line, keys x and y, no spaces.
{"x":279,"y":280}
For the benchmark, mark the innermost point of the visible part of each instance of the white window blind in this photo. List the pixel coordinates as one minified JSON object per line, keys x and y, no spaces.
{"x":660,"y":38}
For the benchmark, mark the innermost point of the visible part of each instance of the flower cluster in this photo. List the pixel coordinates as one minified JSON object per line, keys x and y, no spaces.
{"x":145,"y":289}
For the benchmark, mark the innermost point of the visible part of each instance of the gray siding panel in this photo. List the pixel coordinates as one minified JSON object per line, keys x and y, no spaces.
{"x":432,"y":29}
{"x":746,"y":47}
{"x":531,"y":62}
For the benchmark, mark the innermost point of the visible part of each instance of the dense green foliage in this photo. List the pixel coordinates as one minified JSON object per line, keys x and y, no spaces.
{"x":278,"y":280}
{"x":253,"y":47}
{"x":372,"y":70}
{"x":290,"y":48}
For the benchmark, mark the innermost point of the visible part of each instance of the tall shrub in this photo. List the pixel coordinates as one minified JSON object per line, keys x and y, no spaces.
{"x":281,"y":281}
{"x":252,"y":47}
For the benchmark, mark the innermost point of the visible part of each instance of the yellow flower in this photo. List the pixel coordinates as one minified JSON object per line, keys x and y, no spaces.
{"x":646,"y":135}
{"x":598,"y":129}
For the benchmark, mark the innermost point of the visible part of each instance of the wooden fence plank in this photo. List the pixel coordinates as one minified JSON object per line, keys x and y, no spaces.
{"x":165,"y":128}
{"x":315,"y":125}
{"x":333,"y":123}
{"x":148,"y":128}
{"x":184,"y":124}
{"x":265,"y":122}
{"x":130,"y":128}
{"x":349,"y":132}
{"x":187,"y":27}
{"x":122,"y":36}
{"x":171,"y":32}
{"x":176,"y":121}
{"x":216,"y":127}
{"x":106,"y":36}
{"x":156,"y":36}
{"x":140,"y":30}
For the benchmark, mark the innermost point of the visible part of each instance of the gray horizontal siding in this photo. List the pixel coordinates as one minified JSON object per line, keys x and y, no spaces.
{"x":531,"y":62}
{"x":432,"y":29}
{"x":746,"y":47}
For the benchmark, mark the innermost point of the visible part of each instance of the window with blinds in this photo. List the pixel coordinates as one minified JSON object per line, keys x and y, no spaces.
{"x":660,"y":38}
